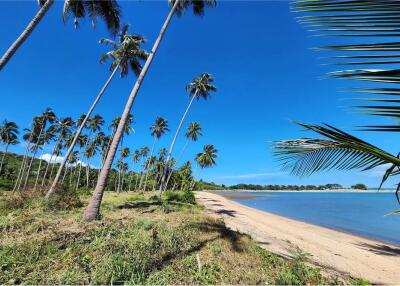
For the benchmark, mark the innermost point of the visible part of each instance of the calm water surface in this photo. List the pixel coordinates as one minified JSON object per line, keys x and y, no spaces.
{"x":358,"y":213}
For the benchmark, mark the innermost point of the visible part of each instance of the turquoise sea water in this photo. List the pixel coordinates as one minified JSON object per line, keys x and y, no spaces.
{"x":358,"y":213}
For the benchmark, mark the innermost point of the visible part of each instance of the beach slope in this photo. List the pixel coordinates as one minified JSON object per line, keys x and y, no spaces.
{"x":332,"y":250}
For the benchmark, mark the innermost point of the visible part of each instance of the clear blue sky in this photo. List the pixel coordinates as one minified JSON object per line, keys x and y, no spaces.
{"x":259,"y":55}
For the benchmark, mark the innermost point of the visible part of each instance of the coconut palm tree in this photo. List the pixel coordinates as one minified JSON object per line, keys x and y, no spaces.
{"x":31,"y":136}
{"x":135,"y":160}
{"x":200,"y":87}
{"x":63,"y":128}
{"x":92,"y":211}
{"x":126,"y":54}
{"x":159,"y":128}
{"x":81,"y":142}
{"x":48,"y":116}
{"x":106,"y":9}
{"x":192,"y":134}
{"x":206,"y":159}
{"x":8,"y":136}
{"x":144,"y":152}
{"x":46,"y":138}
{"x":73,"y":160}
{"x":122,"y":168}
{"x":93,"y":125}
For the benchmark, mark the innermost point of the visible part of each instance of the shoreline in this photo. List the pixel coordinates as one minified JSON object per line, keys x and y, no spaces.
{"x":231,"y":195}
{"x":304,"y":191}
{"x":333,"y":250}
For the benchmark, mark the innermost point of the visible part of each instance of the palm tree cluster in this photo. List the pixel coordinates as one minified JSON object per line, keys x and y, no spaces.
{"x":141,"y":169}
{"x":374,"y":64}
{"x":85,"y":133}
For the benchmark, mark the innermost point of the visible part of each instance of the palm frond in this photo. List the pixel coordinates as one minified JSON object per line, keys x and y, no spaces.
{"x":340,"y":151}
{"x":374,"y":59}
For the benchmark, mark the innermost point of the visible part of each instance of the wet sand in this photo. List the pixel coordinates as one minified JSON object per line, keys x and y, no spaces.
{"x":334,"y":251}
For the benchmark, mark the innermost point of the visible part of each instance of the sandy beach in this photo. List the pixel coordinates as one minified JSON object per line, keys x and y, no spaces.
{"x":334,"y":251}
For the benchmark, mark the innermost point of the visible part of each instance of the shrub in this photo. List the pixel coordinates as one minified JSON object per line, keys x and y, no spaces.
{"x":179,"y":196}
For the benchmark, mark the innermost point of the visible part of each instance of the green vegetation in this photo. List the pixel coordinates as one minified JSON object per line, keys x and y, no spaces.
{"x":359,"y":187}
{"x":141,"y":240}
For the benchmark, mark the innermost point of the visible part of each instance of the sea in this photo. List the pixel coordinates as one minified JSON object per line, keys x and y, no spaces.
{"x":364,"y":214}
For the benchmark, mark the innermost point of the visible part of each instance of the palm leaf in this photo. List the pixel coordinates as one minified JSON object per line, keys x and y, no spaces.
{"x":340,"y":151}
{"x":361,"y":20}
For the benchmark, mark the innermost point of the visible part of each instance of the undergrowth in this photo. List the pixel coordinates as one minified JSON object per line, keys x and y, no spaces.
{"x":139,"y":241}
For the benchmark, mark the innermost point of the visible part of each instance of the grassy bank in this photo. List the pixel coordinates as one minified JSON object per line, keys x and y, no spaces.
{"x":140,"y":240}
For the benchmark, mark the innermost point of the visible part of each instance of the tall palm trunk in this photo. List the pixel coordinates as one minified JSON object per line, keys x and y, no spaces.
{"x":20,"y":172}
{"x":2,"y":157}
{"x":65,"y":173}
{"x":36,"y":146}
{"x":169,"y":175}
{"x":137,"y":181}
{"x":28,"y":30}
{"x":122,"y":181}
{"x":88,"y":170}
{"x":78,"y":132}
{"x":171,"y":148}
{"x":38,"y":171}
{"x":79,"y":176}
{"x":29,"y":168}
{"x":148,"y":163}
{"x":51,"y":158}
{"x":93,"y":209}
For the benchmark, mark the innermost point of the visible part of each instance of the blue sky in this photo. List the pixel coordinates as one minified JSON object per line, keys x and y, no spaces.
{"x":261,"y":60}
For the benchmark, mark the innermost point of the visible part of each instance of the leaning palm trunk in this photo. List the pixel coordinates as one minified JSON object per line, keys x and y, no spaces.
{"x":88,"y":170}
{"x":20,"y":172}
{"x":93,"y":210}
{"x":38,"y":171}
{"x":29,"y":168}
{"x":163,"y":185}
{"x":65,"y":173}
{"x":25,"y":34}
{"x":51,"y":158}
{"x":148,"y":163}
{"x":78,"y":132}
{"x":2,"y":157}
{"x":79,"y":176}
{"x":36,"y":146}
{"x":137,"y":178}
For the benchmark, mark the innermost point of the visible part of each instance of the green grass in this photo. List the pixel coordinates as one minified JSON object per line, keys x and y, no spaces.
{"x":140,"y":240}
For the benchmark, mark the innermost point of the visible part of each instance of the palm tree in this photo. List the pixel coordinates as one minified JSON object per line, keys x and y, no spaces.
{"x":200,"y":87}
{"x":125,"y":55}
{"x":106,"y":9}
{"x":206,"y":159}
{"x":144,"y":151}
{"x":82,"y":141}
{"x":73,"y":160}
{"x":47,"y":137}
{"x":122,"y":167}
{"x":135,"y":160}
{"x":8,"y":136}
{"x":93,"y":209}
{"x":63,"y":128}
{"x":341,"y":150}
{"x":159,"y":128}
{"x":48,"y":116}
{"x":192,"y":134}
{"x":93,"y":124}
{"x":30,"y":136}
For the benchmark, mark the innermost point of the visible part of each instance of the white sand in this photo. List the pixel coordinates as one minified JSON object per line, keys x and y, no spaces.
{"x":334,"y":251}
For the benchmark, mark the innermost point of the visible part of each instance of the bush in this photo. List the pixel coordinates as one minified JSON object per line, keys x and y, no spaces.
{"x":64,"y":199}
{"x":179,"y":196}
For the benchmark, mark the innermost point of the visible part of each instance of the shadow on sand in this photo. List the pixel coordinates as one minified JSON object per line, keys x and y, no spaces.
{"x":381,"y":249}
